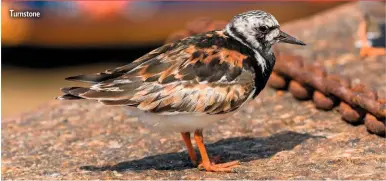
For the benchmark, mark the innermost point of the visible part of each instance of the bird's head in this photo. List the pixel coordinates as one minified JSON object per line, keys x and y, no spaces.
{"x":258,"y":30}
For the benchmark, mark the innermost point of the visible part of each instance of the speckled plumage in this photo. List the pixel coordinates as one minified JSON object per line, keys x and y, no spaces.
{"x":208,"y":73}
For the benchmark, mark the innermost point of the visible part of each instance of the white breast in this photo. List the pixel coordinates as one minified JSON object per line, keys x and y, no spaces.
{"x":182,"y":122}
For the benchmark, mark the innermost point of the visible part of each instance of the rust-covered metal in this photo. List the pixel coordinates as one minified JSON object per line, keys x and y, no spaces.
{"x":358,"y":104}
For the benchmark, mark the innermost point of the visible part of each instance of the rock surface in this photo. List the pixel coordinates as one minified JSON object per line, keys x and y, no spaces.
{"x":274,"y":137}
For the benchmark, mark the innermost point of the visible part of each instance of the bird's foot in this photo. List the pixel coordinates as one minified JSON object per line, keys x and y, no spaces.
{"x":367,"y":51}
{"x":213,"y":160}
{"x":223,"y":167}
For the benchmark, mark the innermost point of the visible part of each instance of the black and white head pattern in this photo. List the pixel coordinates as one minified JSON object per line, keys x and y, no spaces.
{"x":256,"y":29}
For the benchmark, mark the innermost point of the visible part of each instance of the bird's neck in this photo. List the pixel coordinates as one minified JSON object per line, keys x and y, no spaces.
{"x":263,"y":55}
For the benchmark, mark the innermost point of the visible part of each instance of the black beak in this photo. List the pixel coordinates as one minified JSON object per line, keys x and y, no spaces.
{"x":286,"y":38}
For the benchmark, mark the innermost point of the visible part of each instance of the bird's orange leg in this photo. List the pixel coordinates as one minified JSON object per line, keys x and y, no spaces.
{"x":366,"y":50}
{"x":206,"y":163}
{"x":189,"y":146}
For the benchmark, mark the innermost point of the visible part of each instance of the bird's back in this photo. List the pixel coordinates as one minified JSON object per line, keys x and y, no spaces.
{"x":209,"y":73}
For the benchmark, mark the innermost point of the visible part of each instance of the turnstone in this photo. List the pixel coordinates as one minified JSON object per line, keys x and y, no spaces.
{"x":185,"y":85}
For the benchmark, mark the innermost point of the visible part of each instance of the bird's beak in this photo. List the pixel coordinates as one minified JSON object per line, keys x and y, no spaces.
{"x":286,"y":38}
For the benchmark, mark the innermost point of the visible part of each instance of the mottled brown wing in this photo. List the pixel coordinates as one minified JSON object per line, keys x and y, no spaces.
{"x":177,"y":78}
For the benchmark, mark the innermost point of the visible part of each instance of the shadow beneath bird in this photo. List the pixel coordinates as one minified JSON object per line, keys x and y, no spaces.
{"x":243,"y":149}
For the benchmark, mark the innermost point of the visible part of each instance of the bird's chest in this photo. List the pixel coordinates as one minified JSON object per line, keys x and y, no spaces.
{"x":260,"y":82}
{"x":261,"y":74}
{"x":180,"y":122}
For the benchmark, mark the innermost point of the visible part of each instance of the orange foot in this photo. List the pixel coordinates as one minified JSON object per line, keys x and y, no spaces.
{"x":206,"y":163}
{"x":223,"y":167}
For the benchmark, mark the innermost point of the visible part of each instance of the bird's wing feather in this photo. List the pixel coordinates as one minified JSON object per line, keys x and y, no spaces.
{"x":176,"y":78}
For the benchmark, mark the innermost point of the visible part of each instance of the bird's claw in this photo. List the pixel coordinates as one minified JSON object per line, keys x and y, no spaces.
{"x":223,"y":167}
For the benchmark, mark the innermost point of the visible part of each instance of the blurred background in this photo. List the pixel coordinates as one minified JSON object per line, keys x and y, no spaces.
{"x":90,"y":36}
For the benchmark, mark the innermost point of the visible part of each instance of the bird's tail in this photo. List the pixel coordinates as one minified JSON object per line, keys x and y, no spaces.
{"x":72,"y":93}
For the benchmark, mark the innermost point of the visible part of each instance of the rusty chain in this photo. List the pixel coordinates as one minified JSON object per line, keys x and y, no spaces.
{"x":357,"y":104}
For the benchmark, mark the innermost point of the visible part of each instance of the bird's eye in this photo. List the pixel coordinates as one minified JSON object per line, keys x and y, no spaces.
{"x":263,"y":28}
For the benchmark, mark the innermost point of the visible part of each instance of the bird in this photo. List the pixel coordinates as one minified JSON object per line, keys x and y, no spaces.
{"x":371,"y":30}
{"x":185,"y":85}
